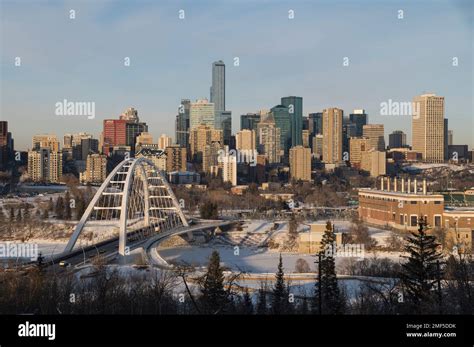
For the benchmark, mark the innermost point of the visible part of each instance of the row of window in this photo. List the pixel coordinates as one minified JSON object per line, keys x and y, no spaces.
{"x":414,"y":220}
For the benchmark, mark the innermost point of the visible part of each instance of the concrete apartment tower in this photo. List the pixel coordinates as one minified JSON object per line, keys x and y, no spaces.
{"x":246,"y":140}
{"x":332,"y":135}
{"x":428,"y":127}
{"x":300,"y":163}
{"x":375,"y":134}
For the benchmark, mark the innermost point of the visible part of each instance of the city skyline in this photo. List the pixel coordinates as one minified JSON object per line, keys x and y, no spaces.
{"x":155,"y":88}
{"x":293,"y":158}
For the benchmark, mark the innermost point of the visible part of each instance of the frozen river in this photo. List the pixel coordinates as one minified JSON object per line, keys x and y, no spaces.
{"x":253,"y":259}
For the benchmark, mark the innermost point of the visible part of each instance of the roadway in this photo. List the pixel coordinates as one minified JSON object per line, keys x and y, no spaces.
{"x":108,"y":249}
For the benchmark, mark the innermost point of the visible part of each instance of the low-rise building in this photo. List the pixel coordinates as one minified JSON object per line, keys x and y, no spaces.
{"x":400,"y":203}
{"x":310,"y":241}
{"x":186,"y":177}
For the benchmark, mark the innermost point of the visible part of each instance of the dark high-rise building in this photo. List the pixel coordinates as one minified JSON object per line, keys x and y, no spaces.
{"x":305,"y":123}
{"x":359,"y":118}
{"x":315,"y":124}
{"x":223,"y":118}
{"x":226,"y":126}
{"x":6,"y":145}
{"x":283,"y":122}
{"x":458,"y":152}
{"x":349,"y":130}
{"x":397,"y":139}
{"x":3,"y":144}
{"x":446,"y":140}
{"x":218,"y":86}
{"x":133,"y":130}
{"x":249,"y":121}
{"x":295,"y":110}
{"x":89,"y":146}
{"x":182,"y":123}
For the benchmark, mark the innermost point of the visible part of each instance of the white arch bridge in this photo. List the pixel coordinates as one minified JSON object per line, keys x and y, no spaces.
{"x":134,"y":201}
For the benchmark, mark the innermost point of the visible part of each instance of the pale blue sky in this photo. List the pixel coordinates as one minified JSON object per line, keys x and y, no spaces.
{"x":82,"y":59}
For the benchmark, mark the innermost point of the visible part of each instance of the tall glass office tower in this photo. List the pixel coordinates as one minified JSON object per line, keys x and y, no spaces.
{"x":295,"y":110}
{"x":359,"y":118}
{"x":223,"y":118}
{"x":218,"y":86}
{"x":282,"y":120}
{"x":182,"y":123}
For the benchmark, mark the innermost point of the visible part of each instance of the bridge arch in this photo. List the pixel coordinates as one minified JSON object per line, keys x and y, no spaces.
{"x":136,"y":200}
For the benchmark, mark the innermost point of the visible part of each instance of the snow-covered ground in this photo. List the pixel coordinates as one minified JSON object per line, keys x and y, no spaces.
{"x":51,"y":248}
{"x":425,"y":166}
{"x":248,"y":258}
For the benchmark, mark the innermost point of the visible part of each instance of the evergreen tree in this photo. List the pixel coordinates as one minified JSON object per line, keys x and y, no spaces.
{"x":12,"y":215}
{"x":50,"y":205}
{"x":26,"y":214}
{"x":209,"y":210}
{"x":262,"y":300}
{"x":67,"y":206}
{"x":40,"y":261}
{"x":214,"y":296}
{"x":59,"y":207}
{"x":80,"y":206}
{"x":19,"y":216}
{"x":279,"y":293}
{"x":303,"y":307}
{"x":331,"y":300}
{"x":460,"y":284}
{"x":247,"y":303}
{"x":46,"y":214}
{"x":420,"y":272}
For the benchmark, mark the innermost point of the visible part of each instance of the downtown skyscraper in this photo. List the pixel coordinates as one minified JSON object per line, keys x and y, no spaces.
{"x":182,"y":123}
{"x":332,"y":135}
{"x":295,"y":110}
{"x":223,"y":118}
{"x":218,"y":86}
{"x":428,"y":127}
{"x":281,"y":115}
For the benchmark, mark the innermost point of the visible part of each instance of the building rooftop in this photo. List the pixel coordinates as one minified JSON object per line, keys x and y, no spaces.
{"x":399,"y":193}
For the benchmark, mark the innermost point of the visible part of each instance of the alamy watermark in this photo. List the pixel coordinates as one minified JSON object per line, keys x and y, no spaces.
{"x":400,"y":108}
{"x":347,"y":250}
{"x":242,"y":156}
{"x":19,"y":250}
{"x":75,"y":108}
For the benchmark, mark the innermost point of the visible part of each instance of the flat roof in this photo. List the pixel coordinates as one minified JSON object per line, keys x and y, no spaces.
{"x":400,"y":194}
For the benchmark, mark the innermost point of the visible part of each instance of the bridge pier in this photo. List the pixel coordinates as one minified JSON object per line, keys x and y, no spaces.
{"x":190,"y":235}
{"x":137,"y":256}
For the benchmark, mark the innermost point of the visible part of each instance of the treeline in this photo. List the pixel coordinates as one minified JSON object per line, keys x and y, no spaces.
{"x":425,"y":283}
{"x":69,"y":206}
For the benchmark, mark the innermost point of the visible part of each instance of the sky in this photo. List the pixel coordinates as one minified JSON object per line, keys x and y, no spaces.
{"x":82,"y":59}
